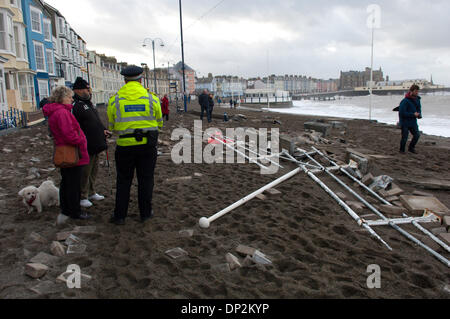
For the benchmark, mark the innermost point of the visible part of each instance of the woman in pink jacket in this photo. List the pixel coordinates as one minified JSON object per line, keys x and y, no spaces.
{"x":66,"y":131}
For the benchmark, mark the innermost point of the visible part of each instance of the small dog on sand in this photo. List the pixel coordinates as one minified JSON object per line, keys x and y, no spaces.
{"x":47,"y":195}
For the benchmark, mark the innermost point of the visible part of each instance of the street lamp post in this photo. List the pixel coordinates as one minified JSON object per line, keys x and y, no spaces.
{"x":154,"y":58}
{"x":182,"y":57}
{"x":145,"y":67}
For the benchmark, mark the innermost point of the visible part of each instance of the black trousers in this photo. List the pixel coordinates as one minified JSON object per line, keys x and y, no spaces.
{"x":405,"y":134}
{"x":70,"y":191}
{"x":166,"y":116}
{"x":141,"y":159}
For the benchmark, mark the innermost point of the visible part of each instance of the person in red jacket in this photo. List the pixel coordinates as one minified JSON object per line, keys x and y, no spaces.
{"x":66,"y":131}
{"x":165,"y":107}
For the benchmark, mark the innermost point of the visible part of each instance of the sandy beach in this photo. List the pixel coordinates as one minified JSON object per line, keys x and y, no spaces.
{"x":317,"y":250}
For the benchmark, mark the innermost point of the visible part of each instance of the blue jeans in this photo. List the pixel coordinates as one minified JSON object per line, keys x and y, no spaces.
{"x":405,"y":134}
{"x":208,"y":114}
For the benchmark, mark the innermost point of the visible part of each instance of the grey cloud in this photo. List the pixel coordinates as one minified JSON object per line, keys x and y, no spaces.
{"x":412,"y":31}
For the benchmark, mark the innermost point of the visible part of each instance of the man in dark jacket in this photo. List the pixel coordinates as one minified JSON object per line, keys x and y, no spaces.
{"x":410,"y":111}
{"x":211,"y":105}
{"x":96,"y":135}
{"x":203,"y":100}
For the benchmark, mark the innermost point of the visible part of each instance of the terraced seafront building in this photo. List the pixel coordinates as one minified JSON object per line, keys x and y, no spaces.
{"x":17,"y":87}
{"x":39,"y":41}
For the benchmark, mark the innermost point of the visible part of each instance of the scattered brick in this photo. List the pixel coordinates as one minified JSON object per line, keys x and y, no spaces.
{"x":57,"y":249}
{"x":36,"y":270}
{"x":43,"y":258}
{"x":38,"y":238}
{"x":392,"y":210}
{"x":245,"y":250}
{"x":261,"y":197}
{"x":445,"y":237}
{"x":63,"y":236}
{"x":233,"y":261}
{"x":273,"y":192}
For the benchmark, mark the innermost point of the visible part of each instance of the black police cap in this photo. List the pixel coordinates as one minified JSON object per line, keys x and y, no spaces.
{"x":132,"y":72}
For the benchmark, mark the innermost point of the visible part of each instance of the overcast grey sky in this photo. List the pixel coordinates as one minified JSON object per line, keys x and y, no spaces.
{"x":256,"y":37}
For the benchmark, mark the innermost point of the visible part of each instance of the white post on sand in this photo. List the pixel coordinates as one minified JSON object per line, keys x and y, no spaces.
{"x":206,"y":222}
{"x":238,"y":152}
{"x":259,"y":155}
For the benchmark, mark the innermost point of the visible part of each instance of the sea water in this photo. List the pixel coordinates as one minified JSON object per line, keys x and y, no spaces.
{"x":435,"y":110}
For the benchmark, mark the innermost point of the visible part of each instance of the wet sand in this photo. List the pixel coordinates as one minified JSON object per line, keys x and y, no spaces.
{"x":317,"y":249}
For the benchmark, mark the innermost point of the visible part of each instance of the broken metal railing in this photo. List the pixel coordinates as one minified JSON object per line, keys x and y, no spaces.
{"x":385,"y":221}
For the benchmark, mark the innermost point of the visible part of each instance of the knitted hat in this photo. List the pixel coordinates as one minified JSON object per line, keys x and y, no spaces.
{"x":80,"y":84}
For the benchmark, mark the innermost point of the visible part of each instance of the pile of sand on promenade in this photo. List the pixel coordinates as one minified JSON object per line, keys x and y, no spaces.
{"x":317,"y":249}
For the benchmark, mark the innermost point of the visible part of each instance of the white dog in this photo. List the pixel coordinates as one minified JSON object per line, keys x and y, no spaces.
{"x":46,"y":195}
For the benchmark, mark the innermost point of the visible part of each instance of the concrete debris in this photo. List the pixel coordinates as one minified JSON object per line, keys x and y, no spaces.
{"x":233,"y":261}
{"x":446,"y":222}
{"x":38,"y":238}
{"x":323,"y":128}
{"x":419,"y":193}
{"x":358,"y":207}
{"x":418,"y":204}
{"x":179,"y":179}
{"x":445,"y":237}
{"x":273,"y":192}
{"x":245,"y":250}
{"x":36,"y":270}
{"x":76,"y":249}
{"x":62,"y":236}
{"x":381,"y":182}
{"x":261,"y":197}
{"x":342,"y":196}
{"x":44,"y":258}
{"x":392,"y":210}
{"x":72,"y":240}
{"x":57,"y":249}
{"x":186,"y":233}
{"x":176,"y":253}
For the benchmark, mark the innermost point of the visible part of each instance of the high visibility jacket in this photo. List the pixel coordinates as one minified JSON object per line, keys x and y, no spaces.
{"x":133,"y":107}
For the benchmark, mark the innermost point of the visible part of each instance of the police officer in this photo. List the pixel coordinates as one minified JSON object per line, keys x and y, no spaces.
{"x":135,"y":115}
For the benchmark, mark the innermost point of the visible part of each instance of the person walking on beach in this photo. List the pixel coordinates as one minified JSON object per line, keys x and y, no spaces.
{"x":211,"y":105}
{"x":66,"y":131}
{"x":203,"y":100}
{"x":96,"y":134}
{"x":136,"y":116}
{"x":165,"y":107}
{"x":410,"y":111}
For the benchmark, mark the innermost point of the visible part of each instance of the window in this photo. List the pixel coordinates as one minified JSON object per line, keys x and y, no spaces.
{"x":47,"y":30}
{"x":43,"y":89}
{"x":26,"y":87}
{"x":20,"y":38}
{"x":62,"y":25}
{"x":16,"y":4}
{"x":50,"y":64}
{"x":36,"y":20}
{"x":39,"y":55}
{"x":7,"y":42}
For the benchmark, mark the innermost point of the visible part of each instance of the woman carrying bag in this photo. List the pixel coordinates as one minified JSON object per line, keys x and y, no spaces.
{"x":67,"y":132}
